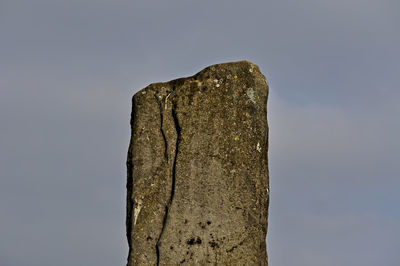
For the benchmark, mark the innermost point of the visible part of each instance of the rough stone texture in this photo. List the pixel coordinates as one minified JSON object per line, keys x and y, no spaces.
{"x":197,"y":163}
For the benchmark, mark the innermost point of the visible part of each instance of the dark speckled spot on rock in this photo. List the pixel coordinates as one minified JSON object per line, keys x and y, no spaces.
{"x":193,"y":241}
{"x":213,"y":244}
{"x":190,"y":241}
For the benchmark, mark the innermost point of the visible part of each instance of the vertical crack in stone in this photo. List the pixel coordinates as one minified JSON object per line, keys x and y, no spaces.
{"x":178,"y":138}
{"x":162,"y":128}
{"x":173,"y":176}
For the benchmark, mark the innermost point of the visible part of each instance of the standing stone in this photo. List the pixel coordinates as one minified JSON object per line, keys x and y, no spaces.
{"x":197,"y":163}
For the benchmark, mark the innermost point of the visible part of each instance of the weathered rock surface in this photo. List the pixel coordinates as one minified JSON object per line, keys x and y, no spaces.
{"x":198,"y":171}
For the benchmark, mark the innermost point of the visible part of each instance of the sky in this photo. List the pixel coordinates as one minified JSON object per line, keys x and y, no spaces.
{"x":68,"y":70}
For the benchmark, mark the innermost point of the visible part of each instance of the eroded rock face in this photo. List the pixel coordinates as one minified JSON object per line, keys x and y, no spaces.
{"x":198,"y":171}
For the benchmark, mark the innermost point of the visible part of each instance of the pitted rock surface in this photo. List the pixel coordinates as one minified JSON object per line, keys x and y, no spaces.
{"x":198,"y":184}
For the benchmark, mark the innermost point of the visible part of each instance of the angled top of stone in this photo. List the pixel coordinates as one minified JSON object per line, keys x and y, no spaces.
{"x":241,"y":71}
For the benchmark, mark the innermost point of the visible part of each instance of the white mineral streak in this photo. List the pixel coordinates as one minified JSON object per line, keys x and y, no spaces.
{"x":250,"y":94}
{"x":136,"y":211}
{"x":258,"y":147}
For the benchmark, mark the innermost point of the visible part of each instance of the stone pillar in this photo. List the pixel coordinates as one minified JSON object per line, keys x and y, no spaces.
{"x":197,"y":163}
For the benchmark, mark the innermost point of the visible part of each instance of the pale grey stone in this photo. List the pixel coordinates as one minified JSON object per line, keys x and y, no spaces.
{"x":198,"y":184}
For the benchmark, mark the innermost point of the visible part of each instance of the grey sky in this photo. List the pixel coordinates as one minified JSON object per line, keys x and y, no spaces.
{"x":68,"y":70}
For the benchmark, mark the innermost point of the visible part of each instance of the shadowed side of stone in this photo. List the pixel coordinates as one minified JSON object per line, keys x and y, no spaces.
{"x":198,"y":186}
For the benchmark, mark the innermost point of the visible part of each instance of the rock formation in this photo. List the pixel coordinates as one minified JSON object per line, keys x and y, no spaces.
{"x":197,"y":164}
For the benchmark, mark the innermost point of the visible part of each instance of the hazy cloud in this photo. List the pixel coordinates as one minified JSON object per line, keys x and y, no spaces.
{"x":68,"y":70}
